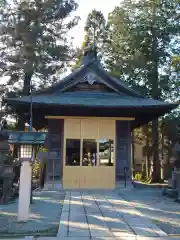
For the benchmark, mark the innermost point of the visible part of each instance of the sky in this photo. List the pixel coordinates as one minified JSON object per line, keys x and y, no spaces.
{"x":86,"y":6}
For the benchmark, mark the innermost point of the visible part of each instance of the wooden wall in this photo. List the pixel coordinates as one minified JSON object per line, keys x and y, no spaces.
{"x":55,"y":143}
{"x":123,"y":147}
{"x":89,"y":177}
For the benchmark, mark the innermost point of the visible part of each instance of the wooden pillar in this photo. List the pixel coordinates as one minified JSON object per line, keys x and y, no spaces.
{"x":55,"y":147}
{"x":123,"y":147}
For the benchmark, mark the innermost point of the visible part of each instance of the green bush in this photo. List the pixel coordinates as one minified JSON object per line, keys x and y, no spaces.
{"x":36,"y":169}
{"x":138,"y":176}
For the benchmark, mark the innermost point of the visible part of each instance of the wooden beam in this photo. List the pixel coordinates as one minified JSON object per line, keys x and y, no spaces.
{"x":105,"y":118}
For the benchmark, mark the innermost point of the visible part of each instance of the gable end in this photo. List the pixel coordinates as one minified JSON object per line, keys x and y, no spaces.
{"x":89,"y":81}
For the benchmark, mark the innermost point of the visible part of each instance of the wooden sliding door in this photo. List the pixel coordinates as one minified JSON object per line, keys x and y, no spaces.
{"x":89,"y":153}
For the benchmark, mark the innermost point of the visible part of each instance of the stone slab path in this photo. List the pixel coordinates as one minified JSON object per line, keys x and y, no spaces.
{"x":107,"y":238}
{"x":104,"y":215}
{"x":163,"y":211}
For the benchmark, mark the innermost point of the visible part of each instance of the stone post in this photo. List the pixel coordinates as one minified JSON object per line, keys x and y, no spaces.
{"x":24,"y":192}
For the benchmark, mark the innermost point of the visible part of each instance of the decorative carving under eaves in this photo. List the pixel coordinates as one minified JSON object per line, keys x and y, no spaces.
{"x":91,"y":78}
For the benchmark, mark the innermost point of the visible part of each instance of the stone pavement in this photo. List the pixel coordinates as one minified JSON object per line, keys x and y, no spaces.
{"x":163,"y":211}
{"x":44,"y":216}
{"x":97,"y":214}
{"x":93,"y":238}
{"x":124,"y":214}
{"x":107,"y":238}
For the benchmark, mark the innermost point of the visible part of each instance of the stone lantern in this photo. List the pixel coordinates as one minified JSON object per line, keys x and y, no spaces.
{"x":6,"y":168}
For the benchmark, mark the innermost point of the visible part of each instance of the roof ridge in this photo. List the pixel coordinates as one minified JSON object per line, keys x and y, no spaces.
{"x":70,"y":76}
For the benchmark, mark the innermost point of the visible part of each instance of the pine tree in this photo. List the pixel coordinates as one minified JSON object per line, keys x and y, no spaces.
{"x":95,"y":29}
{"x":138,"y":49}
{"x":80,"y":52}
{"x":34,"y":44}
{"x":94,"y":35}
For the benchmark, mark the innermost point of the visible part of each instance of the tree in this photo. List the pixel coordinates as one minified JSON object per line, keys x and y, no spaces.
{"x":34,"y":44}
{"x":138,"y":48}
{"x":95,"y":29}
{"x":94,"y":35}
{"x":80,"y":53}
{"x":176,"y":63}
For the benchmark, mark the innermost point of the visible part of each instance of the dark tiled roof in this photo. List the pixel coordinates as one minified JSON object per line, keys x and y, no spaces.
{"x":122,"y":95}
{"x":116,"y":84}
{"x":94,"y":99}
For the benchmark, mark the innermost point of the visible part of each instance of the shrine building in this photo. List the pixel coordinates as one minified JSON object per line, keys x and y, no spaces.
{"x":90,"y":116}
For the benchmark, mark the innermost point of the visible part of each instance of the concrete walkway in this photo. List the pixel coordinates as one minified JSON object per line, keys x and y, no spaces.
{"x":103,"y":214}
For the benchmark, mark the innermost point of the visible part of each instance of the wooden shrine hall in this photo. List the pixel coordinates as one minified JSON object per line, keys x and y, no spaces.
{"x":90,"y":115}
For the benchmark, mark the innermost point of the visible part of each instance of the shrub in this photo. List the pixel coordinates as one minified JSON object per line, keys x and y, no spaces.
{"x":36,"y":169}
{"x":138,"y":176}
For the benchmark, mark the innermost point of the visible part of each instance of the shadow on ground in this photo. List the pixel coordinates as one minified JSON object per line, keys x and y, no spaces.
{"x":161,"y":210}
{"x":44,"y":215}
{"x":104,"y":214}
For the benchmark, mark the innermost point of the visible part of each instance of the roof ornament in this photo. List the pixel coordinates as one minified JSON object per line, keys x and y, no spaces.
{"x":90,"y":78}
{"x":90,"y":54}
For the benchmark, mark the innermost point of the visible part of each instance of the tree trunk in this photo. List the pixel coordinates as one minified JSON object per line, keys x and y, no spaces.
{"x":162,"y":153}
{"x":133,"y":151}
{"x":147,"y":152}
{"x":156,"y":176}
{"x":26,"y":92}
{"x":156,"y":173}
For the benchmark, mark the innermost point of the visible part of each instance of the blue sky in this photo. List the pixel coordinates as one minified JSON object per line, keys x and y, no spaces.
{"x":86,"y":6}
